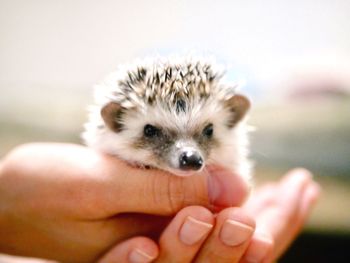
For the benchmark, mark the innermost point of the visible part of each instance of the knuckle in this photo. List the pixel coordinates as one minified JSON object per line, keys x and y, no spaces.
{"x":166,"y":191}
{"x":175,"y":194}
{"x":188,"y":191}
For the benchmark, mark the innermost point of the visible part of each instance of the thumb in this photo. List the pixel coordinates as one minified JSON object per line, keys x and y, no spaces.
{"x":152,"y":191}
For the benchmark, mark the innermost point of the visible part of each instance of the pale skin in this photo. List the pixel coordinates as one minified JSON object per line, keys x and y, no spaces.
{"x":72,"y":204}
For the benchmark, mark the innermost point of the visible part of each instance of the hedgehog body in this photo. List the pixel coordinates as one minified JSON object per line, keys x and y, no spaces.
{"x":174,"y":114}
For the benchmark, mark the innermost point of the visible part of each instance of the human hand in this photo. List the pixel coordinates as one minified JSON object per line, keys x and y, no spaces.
{"x":279,"y":208}
{"x":71,"y":204}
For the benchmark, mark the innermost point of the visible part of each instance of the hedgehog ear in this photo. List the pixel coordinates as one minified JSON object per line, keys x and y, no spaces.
{"x":111,"y":114}
{"x":238,"y":106}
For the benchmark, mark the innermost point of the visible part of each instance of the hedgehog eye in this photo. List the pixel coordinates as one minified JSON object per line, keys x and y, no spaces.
{"x":150,"y":131}
{"x":208,"y":130}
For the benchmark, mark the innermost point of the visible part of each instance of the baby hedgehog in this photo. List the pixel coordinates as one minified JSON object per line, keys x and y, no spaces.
{"x":175,"y":114}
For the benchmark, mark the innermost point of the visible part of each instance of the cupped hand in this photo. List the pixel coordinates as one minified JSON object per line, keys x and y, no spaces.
{"x":280,"y":210}
{"x":72,"y":204}
{"x":194,"y":235}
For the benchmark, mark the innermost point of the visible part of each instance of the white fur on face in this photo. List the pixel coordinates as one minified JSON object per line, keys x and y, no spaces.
{"x":231,"y":151}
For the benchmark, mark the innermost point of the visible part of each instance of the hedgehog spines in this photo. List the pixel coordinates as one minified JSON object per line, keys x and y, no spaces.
{"x":166,"y":80}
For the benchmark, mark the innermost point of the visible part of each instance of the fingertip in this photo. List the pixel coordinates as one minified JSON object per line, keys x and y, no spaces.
{"x":225,"y":189}
{"x":141,"y":256}
{"x":190,"y":222}
{"x":134,"y":250}
{"x":144,"y":250}
{"x":298,"y":174}
{"x":229,"y":238}
{"x":237,"y":214}
{"x":294,"y":185}
{"x":185,"y":234}
{"x":315,"y":190}
{"x":195,"y":223}
{"x":311,"y":196}
{"x":302,"y":170}
{"x":199,"y":212}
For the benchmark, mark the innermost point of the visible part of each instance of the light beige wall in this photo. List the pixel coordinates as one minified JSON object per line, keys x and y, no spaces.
{"x":73,"y":43}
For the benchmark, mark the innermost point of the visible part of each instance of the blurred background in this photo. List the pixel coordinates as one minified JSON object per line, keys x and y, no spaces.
{"x":294,"y":57}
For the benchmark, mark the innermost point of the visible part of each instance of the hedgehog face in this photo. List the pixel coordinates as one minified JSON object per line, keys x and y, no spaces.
{"x":174,"y":114}
{"x":179,"y":151}
{"x":180,"y":137}
{"x":173,"y":150}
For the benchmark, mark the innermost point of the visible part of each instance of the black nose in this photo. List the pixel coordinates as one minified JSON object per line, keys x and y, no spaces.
{"x":190,"y":161}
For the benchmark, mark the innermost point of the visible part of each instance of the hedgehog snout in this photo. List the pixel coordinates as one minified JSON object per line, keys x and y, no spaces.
{"x":190,"y":161}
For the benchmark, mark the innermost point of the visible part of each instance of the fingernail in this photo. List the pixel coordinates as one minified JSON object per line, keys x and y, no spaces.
{"x":193,"y":230}
{"x":234,"y":233}
{"x":225,"y":189}
{"x":259,"y":250}
{"x":139,"y":256}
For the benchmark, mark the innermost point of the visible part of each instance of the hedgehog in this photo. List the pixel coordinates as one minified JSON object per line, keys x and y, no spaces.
{"x":176,"y":114}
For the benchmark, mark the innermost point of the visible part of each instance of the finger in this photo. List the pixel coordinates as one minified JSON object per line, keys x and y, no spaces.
{"x":300,"y":173}
{"x":282,"y":213}
{"x":104,"y":185}
{"x":280,"y":210}
{"x":261,"y":198}
{"x":271,"y":194}
{"x":184,"y":236}
{"x":153,"y":191}
{"x":260,"y":248}
{"x":134,"y":250}
{"x":280,"y":218}
{"x":225,"y":189}
{"x":229,"y":239}
{"x":130,"y":189}
{"x":307,"y":202}
{"x":312,"y":195}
